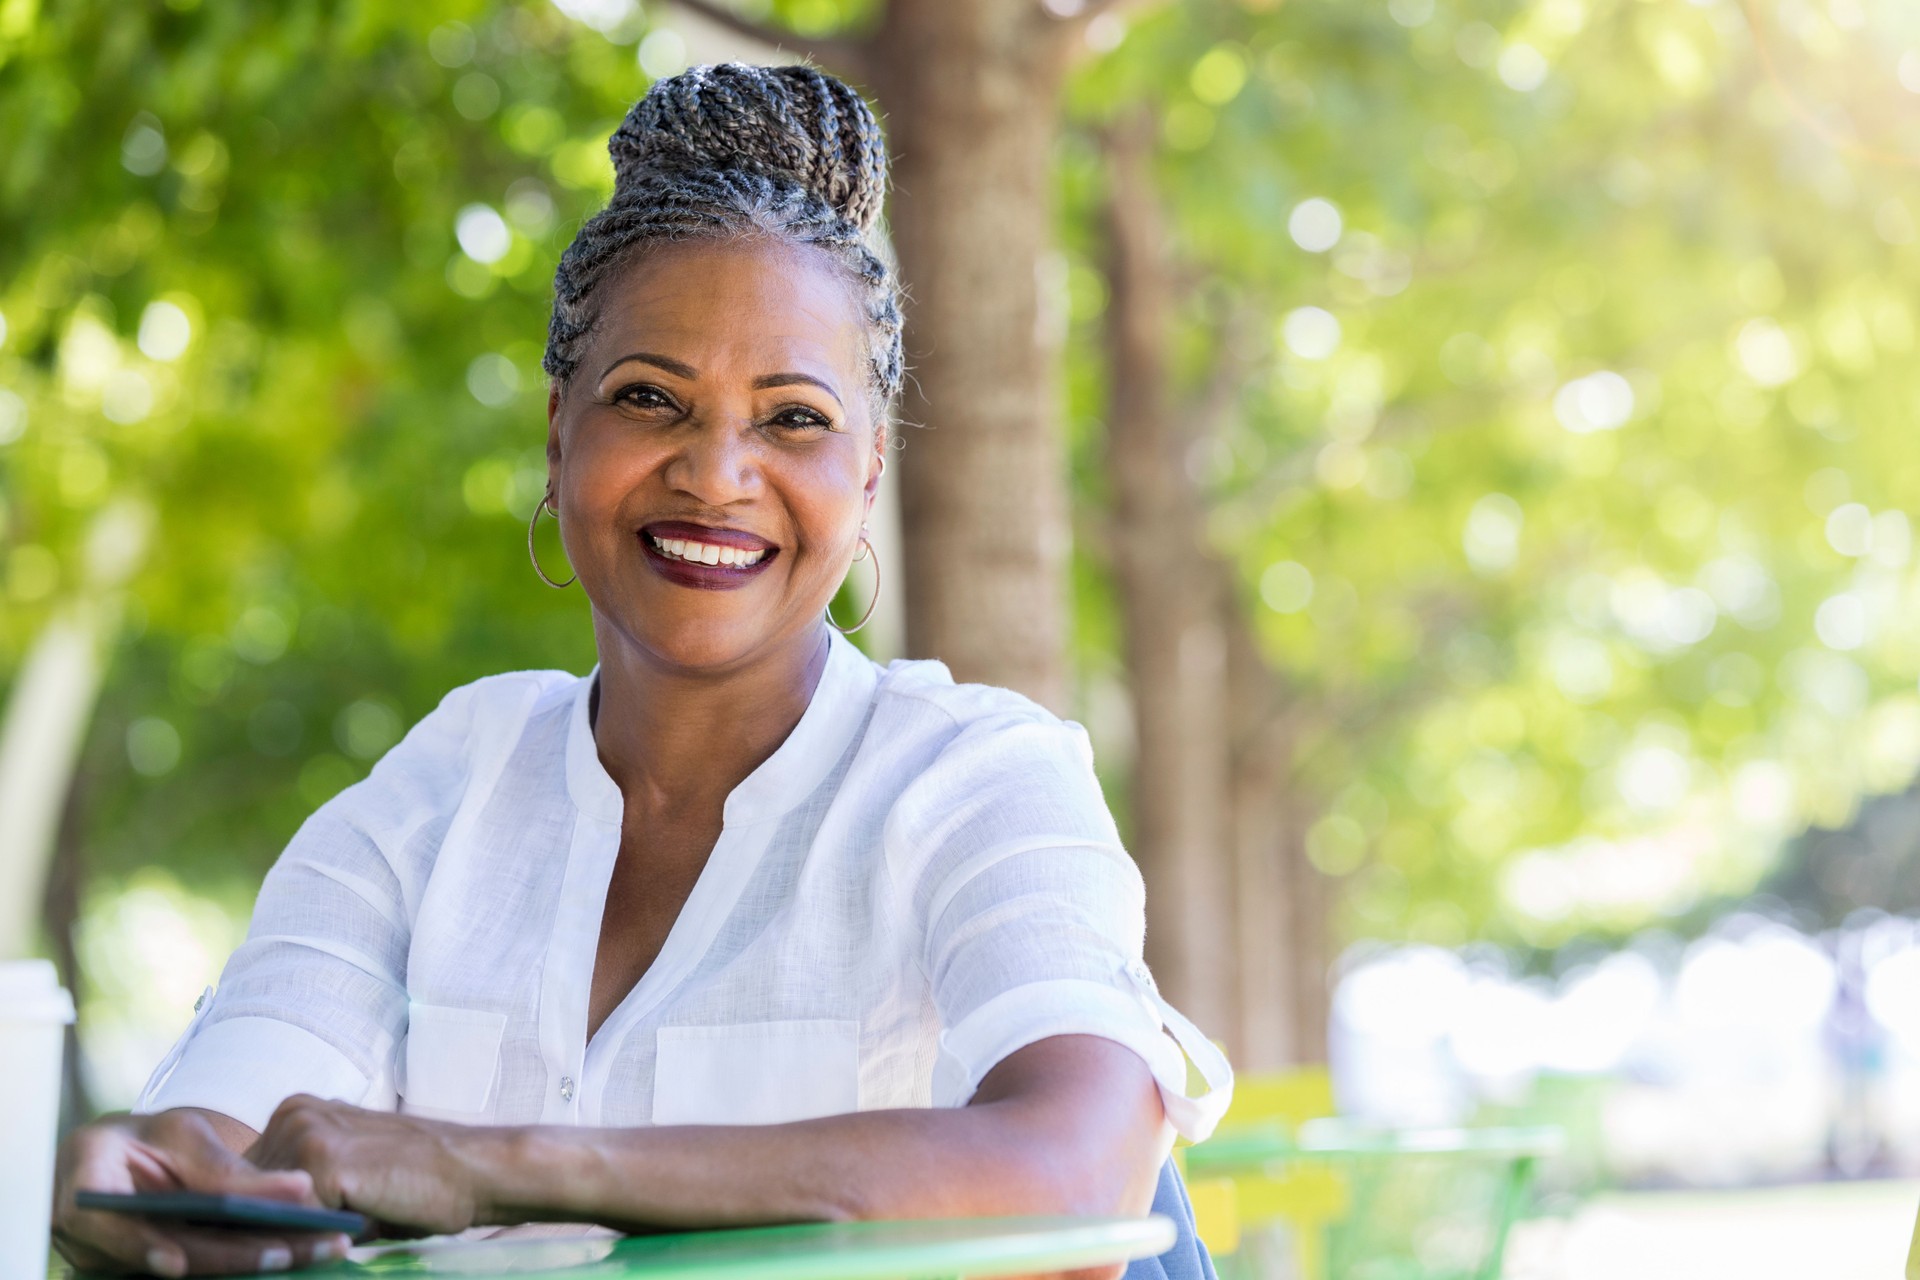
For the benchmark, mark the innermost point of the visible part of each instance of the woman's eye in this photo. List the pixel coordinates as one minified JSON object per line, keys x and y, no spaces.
{"x":642,"y":396}
{"x":798,"y":419}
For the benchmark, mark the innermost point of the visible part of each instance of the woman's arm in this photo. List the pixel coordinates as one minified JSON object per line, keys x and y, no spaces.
{"x":1070,"y":1125}
{"x":313,"y":1001}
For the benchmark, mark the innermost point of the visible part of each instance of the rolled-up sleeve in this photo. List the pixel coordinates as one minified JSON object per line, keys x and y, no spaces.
{"x":1034,"y":915}
{"x":315,"y":1000}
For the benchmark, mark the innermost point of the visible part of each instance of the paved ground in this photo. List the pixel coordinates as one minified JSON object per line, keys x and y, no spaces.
{"x":1824,"y":1231}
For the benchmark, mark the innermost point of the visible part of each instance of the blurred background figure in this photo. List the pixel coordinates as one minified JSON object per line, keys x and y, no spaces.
{"x":1456,"y":456}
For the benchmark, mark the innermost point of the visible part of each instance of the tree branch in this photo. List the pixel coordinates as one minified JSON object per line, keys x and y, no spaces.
{"x":1224,"y":385}
{"x":842,"y":56}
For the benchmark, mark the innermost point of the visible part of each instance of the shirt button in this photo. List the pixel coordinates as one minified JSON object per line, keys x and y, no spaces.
{"x":566,"y":1088}
{"x":1143,"y":974}
{"x":197,"y":1003}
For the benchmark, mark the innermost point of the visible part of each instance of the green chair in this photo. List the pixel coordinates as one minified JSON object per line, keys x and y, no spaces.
{"x":1317,"y":1198}
{"x":1432,"y":1204}
{"x":1264,"y":1219}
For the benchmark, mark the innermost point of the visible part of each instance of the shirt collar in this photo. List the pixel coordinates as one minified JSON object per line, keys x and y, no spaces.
{"x":793,"y":772}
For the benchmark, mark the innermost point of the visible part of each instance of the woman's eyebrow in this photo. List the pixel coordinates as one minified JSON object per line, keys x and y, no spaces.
{"x":680,"y":369}
{"x":672,"y":366}
{"x":790,"y":379}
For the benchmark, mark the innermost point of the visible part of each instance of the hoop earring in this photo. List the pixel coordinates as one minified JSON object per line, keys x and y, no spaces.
{"x":546,"y":504}
{"x":866,"y":553}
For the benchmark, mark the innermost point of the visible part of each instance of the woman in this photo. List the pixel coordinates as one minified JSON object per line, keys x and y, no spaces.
{"x":741,"y":927}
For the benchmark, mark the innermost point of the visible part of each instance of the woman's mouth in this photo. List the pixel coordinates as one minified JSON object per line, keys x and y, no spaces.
{"x":692,"y":555}
{"x":703,"y":552}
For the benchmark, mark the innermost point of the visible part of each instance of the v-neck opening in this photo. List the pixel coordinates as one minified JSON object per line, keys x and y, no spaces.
{"x":795,"y":769}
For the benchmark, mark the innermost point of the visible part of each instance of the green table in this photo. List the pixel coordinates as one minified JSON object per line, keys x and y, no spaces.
{"x":913,"y":1250}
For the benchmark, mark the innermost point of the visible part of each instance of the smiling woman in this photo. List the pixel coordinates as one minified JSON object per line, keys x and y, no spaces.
{"x":719,"y":403}
{"x":740,"y":927}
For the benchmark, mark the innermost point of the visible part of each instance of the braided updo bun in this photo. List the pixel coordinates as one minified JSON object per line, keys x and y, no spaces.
{"x":732,"y":150}
{"x":789,"y":124}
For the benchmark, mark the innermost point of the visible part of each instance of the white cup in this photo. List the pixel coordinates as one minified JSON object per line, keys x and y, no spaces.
{"x":34,"y":1013}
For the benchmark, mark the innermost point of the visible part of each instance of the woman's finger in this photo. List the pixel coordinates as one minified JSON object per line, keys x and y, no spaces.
{"x":178,"y":1151}
{"x":93,"y":1238}
{"x":82,"y":1253}
{"x":110,"y":1242}
{"x":236,"y":1176}
{"x":193,"y":1156}
{"x":299,"y":1139}
{"x":207,"y":1252}
{"x":125,"y":1242}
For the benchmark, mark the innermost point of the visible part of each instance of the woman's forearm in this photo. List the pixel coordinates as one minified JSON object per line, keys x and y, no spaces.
{"x":1023,"y":1147}
{"x":877,"y":1164}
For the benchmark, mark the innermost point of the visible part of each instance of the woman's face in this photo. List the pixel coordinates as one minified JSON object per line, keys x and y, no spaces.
{"x":714,"y":456}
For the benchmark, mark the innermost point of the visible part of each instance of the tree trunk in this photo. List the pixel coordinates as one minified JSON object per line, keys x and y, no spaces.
{"x":1282,"y":903}
{"x":1174,"y":641}
{"x":1264,"y":930}
{"x":46,"y":721}
{"x":1310,"y":898}
{"x":48,"y":710}
{"x":66,"y":888}
{"x":1237,"y":923}
{"x":969,"y":92}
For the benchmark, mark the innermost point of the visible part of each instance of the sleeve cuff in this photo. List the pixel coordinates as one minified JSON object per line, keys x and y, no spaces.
{"x":246,"y":1067}
{"x":1034,"y":1011}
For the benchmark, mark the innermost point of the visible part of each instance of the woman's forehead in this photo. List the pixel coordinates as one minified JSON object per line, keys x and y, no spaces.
{"x":747,"y":302}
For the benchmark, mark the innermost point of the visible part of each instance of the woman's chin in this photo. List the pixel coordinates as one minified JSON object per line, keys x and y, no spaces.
{"x":709,"y":644}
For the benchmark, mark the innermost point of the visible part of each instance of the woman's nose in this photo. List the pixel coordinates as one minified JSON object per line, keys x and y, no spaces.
{"x":717,"y":463}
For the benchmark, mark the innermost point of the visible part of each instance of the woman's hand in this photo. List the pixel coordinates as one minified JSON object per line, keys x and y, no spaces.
{"x":173,"y":1151}
{"x":402,"y":1171}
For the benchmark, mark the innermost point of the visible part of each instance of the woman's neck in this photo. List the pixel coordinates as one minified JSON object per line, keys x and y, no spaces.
{"x":668,"y":738}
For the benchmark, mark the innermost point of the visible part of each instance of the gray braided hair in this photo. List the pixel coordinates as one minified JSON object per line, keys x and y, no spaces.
{"x":733,"y":150}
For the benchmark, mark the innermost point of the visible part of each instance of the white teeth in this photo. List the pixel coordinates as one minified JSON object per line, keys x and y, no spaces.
{"x":706,"y":553}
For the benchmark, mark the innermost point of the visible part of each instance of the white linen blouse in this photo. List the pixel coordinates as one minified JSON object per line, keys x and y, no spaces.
{"x":922,"y":879}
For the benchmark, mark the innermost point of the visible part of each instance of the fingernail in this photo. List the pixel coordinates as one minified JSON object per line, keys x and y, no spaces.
{"x":278,"y":1258}
{"x":327,"y":1251}
{"x":165,"y":1261}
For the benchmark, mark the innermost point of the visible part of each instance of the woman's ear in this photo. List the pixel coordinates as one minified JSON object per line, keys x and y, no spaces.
{"x":877,"y":463}
{"x":555,"y":388}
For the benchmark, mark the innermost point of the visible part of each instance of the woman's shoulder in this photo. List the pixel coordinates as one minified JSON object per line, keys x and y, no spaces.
{"x":463,"y":742}
{"x":518,"y":694}
{"x":491,"y":711}
{"x":978,"y":771}
{"x":926,"y":686}
{"x":921,"y":701}
{"x":515,"y":688}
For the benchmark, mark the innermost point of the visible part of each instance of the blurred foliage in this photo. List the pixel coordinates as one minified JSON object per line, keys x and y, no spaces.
{"x":1567,"y":471}
{"x":1570,"y":467}
{"x":234,"y":294}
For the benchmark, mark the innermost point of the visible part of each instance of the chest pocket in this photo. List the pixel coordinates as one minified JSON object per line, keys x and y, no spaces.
{"x":757,"y":1072}
{"x":452,"y":1062}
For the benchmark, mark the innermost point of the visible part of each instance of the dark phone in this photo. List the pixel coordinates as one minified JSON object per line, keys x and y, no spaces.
{"x":240,"y":1213}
